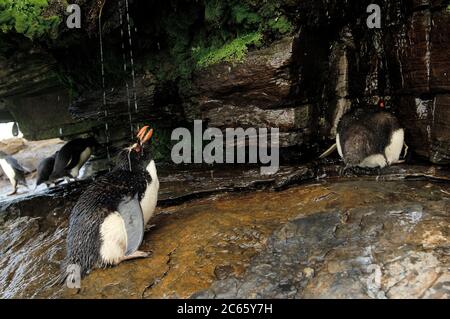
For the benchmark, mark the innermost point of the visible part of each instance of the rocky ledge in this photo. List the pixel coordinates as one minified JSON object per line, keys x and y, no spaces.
{"x":367,"y":237}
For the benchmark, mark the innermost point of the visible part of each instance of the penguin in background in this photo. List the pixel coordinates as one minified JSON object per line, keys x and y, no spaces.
{"x":369,"y":138}
{"x":14,"y":171}
{"x":71,"y":157}
{"x":44,"y":170}
{"x":107,"y":223}
{"x":15,"y":129}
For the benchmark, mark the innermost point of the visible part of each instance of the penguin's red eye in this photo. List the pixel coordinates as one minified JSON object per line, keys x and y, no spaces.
{"x":137,"y":148}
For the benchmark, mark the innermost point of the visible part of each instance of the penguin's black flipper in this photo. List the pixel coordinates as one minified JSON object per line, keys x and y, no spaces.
{"x":131,"y":212}
{"x":15,"y":164}
{"x":45,"y":169}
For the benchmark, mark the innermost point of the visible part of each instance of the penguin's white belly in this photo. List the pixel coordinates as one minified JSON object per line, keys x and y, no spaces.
{"x":394,"y":149}
{"x":84,"y":156}
{"x":113,"y":239}
{"x":374,"y":161}
{"x":9,"y":171}
{"x":150,"y":198}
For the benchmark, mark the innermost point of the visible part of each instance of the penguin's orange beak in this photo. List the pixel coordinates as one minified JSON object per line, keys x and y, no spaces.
{"x":144,"y":134}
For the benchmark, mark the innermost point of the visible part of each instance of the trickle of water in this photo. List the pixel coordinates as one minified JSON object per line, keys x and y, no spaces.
{"x":131,"y":56}
{"x":105,"y":106}
{"x":124,"y":58}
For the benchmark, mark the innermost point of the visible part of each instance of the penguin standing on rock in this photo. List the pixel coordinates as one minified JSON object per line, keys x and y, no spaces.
{"x":107,"y":223}
{"x":369,"y":139}
{"x":72,"y":156}
{"x":14,"y":171}
{"x":44,"y":170}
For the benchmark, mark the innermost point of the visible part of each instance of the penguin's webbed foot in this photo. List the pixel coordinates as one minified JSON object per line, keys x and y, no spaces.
{"x":371,"y":171}
{"x":345,"y":170}
{"x":12,"y":193}
{"x":136,"y":254}
{"x":399,"y":162}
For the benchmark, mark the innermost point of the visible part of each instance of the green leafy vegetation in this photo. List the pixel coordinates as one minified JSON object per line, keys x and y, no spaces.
{"x":174,"y":38}
{"x":26,"y":17}
{"x":281,"y":25}
{"x":233,"y":51}
{"x":202,"y":33}
{"x":236,"y":26}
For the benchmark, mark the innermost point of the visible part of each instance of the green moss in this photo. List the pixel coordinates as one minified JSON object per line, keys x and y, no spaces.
{"x":242,"y":15}
{"x":201,"y":33}
{"x":243,"y":24}
{"x":177,"y":38}
{"x":214,"y":11}
{"x":233,"y":51}
{"x":26,"y":17}
{"x":281,"y":25}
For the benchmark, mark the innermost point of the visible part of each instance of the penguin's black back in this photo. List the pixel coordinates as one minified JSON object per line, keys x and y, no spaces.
{"x":98,"y":201}
{"x":45,"y":168}
{"x":365,"y":132}
{"x":69,"y":155}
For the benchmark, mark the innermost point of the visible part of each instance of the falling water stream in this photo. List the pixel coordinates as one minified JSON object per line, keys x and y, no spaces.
{"x":105,"y":106}
{"x":131,"y":57}
{"x":125,"y":69}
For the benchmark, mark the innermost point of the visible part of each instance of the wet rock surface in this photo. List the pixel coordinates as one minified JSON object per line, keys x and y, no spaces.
{"x":369,"y":237}
{"x":378,"y":251}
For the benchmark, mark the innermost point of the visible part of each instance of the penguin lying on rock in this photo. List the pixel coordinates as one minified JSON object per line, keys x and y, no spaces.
{"x":72,"y":156}
{"x":107,"y":223}
{"x":369,"y":139}
{"x":44,"y":170}
{"x":14,"y":171}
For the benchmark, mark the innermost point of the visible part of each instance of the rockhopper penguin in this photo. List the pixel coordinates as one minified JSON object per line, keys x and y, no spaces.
{"x":72,"y":156}
{"x":44,"y":170}
{"x":13,"y":170}
{"x":369,"y":139}
{"x":107,"y":223}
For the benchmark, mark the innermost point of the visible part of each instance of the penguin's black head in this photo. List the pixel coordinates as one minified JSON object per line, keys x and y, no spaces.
{"x":92,"y":142}
{"x":137,"y":156}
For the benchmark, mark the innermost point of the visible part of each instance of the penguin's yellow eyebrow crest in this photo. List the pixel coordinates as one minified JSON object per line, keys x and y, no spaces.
{"x":141,"y":132}
{"x":144,"y":135}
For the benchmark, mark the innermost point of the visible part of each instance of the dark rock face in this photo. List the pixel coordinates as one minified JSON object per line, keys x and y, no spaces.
{"x":301,"y":83}
{"x":27,"y":73}
{"x":427,"y":127}
{"x":256,"y":93}
{"x":264,"y":80}
{"x":424,"y":74}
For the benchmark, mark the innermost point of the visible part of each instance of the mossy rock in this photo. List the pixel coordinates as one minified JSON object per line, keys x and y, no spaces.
{"x":27,"y":17}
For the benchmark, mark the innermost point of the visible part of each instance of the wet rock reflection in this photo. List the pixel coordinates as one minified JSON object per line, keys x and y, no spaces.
{"x":346,"y":237}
